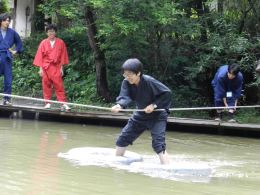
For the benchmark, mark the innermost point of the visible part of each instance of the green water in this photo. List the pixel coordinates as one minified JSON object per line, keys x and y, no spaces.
{"x":29,"y":163}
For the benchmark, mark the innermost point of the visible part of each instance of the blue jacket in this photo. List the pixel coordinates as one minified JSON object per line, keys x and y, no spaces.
{"x":222,"y":84}
{"x":11,"y":38}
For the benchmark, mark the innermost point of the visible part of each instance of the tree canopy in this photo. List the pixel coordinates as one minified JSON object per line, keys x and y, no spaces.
{"x":180,"y":42}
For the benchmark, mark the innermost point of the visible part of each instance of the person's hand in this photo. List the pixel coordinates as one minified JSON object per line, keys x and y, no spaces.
{"x":149,"y":108}
{"x":116,"y":108}
{"x":12,"y":51}
{"x":40,"y":72}
{"x":226,"y":107}
{"x":61,"y":71}
{"x":233,"y":109}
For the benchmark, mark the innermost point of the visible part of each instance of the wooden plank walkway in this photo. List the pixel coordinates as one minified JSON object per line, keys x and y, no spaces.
{"x":119,"y":119}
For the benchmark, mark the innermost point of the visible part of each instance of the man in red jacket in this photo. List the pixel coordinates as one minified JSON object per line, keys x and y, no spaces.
{"x":50,"y":57}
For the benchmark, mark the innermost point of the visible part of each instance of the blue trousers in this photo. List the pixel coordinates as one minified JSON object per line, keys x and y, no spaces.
{"x":6,"y":70}
{"x":135,"y":128}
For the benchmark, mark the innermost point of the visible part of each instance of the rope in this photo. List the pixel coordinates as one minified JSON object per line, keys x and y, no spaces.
{"x":126,"y":110}
{"x":57,"y":102}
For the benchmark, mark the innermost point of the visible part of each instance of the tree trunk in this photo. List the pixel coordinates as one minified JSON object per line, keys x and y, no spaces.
{"x":252,"y":5}
{"x":201,"y":10}
{"x":99,"y":57}
{"x":242,"y":21}
{"x":220,"y":6}
{"x":38,"y":19}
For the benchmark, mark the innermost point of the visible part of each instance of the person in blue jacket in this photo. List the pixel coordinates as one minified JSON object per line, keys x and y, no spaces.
{"x":8,"y":38}
{"x":227,"y":86}
{"x":149,"y":94}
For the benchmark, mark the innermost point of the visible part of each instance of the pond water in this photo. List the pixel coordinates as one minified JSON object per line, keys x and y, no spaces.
{"x":37,"y":158}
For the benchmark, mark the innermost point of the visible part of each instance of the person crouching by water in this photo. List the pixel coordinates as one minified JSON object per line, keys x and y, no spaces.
{"x":51,"y":56}
{"x":8,"y":38}
{"x":149,"y":94}
{"x":227,"y":86}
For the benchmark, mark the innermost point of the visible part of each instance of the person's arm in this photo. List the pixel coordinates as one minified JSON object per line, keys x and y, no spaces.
{"x":162,"y":95}
{"x":38,"y":59}
{"x":64,"y":57}
{"x":225,"y":101}
{"x":220,"y":90}
{"x":40,"y":72}
{"x":238,"y":87}
{"x":18,"y":44}
{"x":61,"y":71}
{"x":124,"y":99}
{"x":237,"y":91}
{"x":163,"y":100}
{"x":236,"y":103}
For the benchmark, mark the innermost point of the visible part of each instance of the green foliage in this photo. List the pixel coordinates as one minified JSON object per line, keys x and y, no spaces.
{"x":26,"y":79}
{"x":80,"y":88}
{"x":68,"y":9}
{"x":179,"y":44}
{"x":251,"y":115}
{"x":4,"y":6}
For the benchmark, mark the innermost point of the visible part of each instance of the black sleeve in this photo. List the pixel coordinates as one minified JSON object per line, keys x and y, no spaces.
{"x":124,"y":98}
{"x":162,"y":94}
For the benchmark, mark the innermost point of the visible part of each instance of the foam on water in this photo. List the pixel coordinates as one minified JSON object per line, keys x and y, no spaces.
{"x":99,"y":156}
{"x":183,"y":170}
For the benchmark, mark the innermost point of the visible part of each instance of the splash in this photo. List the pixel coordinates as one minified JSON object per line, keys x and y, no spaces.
{"x":99,"y":157}
{"x":146,"y":164}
